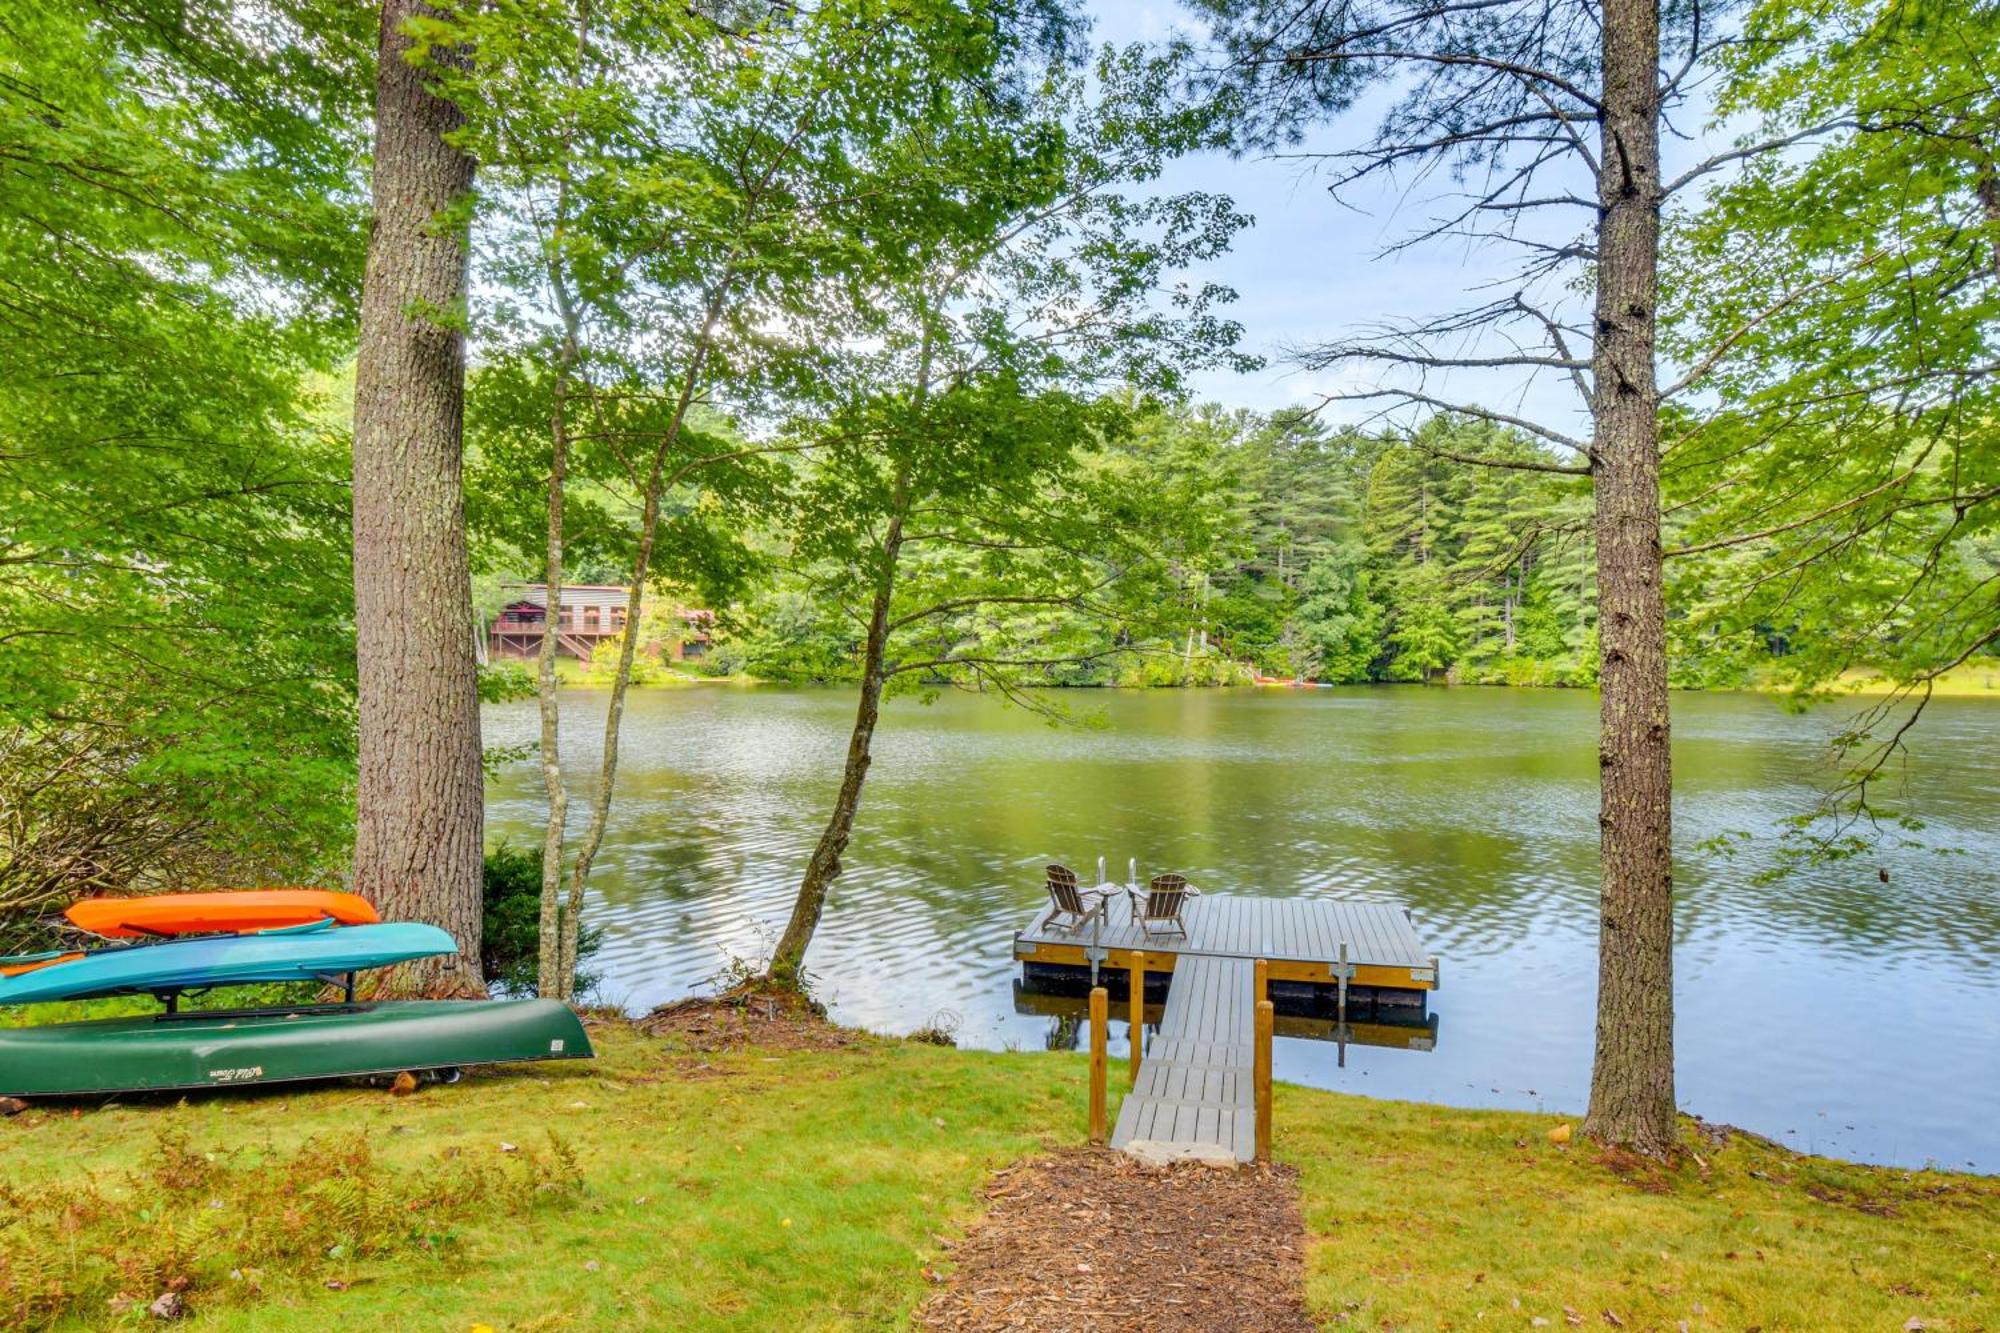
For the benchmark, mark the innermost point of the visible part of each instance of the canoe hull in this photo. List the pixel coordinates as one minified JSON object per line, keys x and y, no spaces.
{"x":226,"y":960}
{"x":246,"y":1048}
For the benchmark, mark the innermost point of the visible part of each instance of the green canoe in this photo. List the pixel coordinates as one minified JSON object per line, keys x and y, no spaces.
{"x":242,"y":1047}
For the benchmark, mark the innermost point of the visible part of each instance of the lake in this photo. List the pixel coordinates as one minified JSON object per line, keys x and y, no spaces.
{"x":1831,"y":1010}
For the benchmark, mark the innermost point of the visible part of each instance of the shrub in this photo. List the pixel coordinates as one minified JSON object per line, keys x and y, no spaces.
{"x":208,"y":1223}
{"x":503,"y":682}
{"x":510,"y":939}
{"x":728,"y":658}
{"x":88,"y":810}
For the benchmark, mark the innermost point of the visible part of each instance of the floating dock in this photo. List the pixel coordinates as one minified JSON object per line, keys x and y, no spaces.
{"x":1398,"y":1028}
{"x":1195,"y":1088}
{"x":1305,"y":940}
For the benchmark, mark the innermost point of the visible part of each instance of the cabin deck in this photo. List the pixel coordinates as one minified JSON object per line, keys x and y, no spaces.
{"x":1195,"y":1086}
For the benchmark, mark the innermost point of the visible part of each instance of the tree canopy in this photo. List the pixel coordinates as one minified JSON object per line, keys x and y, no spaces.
{"x":179,"y":247}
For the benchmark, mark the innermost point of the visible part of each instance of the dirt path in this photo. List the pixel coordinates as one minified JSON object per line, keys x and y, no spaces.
{"x":1088,"y":1239}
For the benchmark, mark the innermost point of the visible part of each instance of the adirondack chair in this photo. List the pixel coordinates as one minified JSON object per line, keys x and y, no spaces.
{"x":1067,"y":901}
{"x":1159,"y":912}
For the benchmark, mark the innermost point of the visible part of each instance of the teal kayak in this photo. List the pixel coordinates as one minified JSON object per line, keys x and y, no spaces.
{"x":222,"y":1048}
{"x":301,"y":953}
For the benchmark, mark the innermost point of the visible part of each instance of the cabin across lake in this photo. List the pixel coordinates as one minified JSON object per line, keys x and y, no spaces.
{"x":590,"y":614}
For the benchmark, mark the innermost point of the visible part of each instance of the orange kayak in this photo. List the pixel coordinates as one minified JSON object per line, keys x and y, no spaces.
{"x":216,"y":913}
{"x":26,"y":963}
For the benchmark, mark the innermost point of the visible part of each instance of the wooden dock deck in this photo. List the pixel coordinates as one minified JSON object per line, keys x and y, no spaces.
{"x":1196,"y":1087}
{"x":1301,"y":938}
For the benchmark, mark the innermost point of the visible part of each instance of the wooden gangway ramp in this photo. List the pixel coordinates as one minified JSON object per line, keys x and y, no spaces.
{"x":1194,"y":1087}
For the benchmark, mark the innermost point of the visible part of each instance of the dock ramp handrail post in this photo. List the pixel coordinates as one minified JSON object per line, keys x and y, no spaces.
{"x":1099,"y":1011}
{"x":1136,"y":982}
{"x":1261,"y":1077}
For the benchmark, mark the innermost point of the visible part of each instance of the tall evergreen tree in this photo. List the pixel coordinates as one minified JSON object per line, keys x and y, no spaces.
{"x":1556,"y":105}
{"x":420,"y":794}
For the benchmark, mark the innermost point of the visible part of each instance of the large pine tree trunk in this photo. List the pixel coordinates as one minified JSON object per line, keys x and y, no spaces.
{"x":419,"y":816}
{"x":1632,"y":1079}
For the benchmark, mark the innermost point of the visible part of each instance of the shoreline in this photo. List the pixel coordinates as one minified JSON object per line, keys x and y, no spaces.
{"x":1966,"y":683}
{"x":835,"y":1182}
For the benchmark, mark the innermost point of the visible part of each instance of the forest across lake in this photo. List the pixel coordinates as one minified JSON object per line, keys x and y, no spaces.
{"x":1823,"y":1009}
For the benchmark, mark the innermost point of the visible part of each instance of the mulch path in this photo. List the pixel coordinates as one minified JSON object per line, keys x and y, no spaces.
{"x":1088,"y":1239}
{"x":747,"y":1015}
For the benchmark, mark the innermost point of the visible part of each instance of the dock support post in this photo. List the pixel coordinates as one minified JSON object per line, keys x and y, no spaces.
{"x":1100,"y":1009}
{"x":1263,"y":968}
{"x":1137,"y":983}
{"x":1345,"y":971}
{"x":1261,"y":1076}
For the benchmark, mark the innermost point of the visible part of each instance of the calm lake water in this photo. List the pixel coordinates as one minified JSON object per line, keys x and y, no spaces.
{"x":1831,"y":1010}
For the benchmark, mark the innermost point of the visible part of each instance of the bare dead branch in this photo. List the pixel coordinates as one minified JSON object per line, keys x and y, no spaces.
{"x":1472,"y":410}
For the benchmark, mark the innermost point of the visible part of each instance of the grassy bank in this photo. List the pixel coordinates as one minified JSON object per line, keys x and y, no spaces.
{"x":810,"y":1189}
{"x":1974,"y":680}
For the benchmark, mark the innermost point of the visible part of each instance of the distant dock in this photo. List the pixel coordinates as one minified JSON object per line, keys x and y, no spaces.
{"x":1194,"y":1089}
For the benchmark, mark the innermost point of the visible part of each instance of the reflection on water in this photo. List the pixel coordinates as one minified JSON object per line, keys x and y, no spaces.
{"x":1068,"y":1012}
{"x":1474,"y":808}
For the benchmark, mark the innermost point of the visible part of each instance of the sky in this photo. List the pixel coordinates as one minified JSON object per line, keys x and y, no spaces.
{"x":1311,"y":269}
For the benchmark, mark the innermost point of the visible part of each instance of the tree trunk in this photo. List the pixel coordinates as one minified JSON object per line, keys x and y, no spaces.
{"x":1987,"y":189}
{"x":552,"y":979}
{"x":548,"y":959}
{"x":657,"y":483}
{"x":1632,"y":1078}
{"x":788,"y":960}
{"x":419,"y":797}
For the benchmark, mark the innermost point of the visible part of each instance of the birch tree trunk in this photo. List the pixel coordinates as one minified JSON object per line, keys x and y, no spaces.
{"x":419,"y":796}
{"x":788,"y":960}
{"x":1632,"y":1077}
{"x":657,"y":482}
{"x":552,"y":979}
{"x":548,"y":961}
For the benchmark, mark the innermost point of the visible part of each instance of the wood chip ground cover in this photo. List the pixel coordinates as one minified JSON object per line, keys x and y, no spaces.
{"x":1088,"y":1239}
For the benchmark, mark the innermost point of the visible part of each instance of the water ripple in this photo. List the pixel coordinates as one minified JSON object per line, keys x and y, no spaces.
{"x":1476,"y":809}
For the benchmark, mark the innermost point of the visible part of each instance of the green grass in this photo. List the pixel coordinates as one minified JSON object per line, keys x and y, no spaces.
{"x":654,"y":675}
{"x":1980,"y":679}
{"x":808,"y":1190}
{"x":804,"y":1187}
{"x":1424,"y":1217}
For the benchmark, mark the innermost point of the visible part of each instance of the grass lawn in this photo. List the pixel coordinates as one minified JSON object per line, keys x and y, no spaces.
{"x":1426,"y":1217}
{"x":1980,"y":679}
{"x":804,"y":1190}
